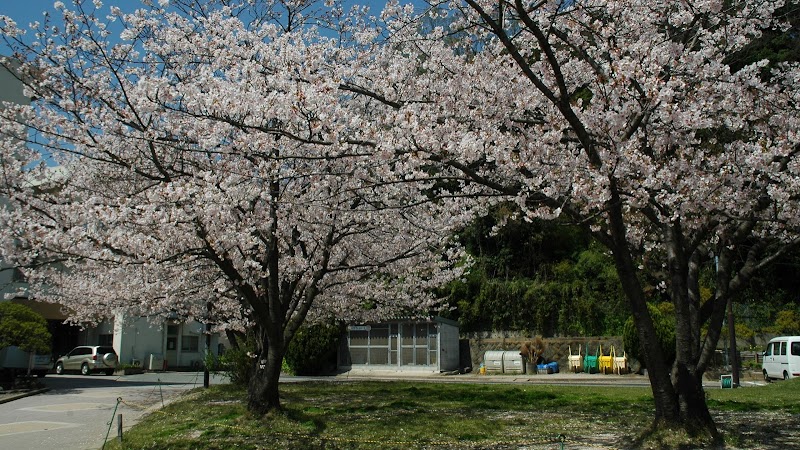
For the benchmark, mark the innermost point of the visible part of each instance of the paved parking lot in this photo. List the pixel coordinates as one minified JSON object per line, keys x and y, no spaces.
{"x":76,"y":412}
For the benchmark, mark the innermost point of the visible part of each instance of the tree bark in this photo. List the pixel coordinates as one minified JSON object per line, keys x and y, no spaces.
{"x":666,"y":401}
{"x":694,"y":416}
{"x":262,"y":390}
{"x":687,"y":380}
{"x":233,"y":339}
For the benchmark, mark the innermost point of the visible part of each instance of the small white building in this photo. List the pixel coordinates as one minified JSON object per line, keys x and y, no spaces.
{"x":415,"y":345}
{"x":156,"y":344}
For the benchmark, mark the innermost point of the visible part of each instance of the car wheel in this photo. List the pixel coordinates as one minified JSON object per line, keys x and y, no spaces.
{"x":85,"y":369}
{"x":785,"y":375}
{"x":110,"y":372}
{"x":60,"y":369}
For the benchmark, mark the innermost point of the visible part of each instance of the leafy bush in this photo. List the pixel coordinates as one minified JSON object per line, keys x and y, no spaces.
{"x":24,"y":328}
{"x":787,"y":323}
{"x":311,"y":352}
{"x":751,"y":364}
{"x":663,"y":316}
{"x":313,"y":349}
{"x":236,"y":363}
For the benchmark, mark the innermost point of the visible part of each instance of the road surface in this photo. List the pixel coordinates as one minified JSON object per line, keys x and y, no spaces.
{"x":75,"y":413}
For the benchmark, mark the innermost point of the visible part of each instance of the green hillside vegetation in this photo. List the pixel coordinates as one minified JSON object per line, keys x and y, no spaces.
{"x":552,"y":279}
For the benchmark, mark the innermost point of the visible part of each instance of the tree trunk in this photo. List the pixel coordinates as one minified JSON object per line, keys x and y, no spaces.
{"x":262,"y":391}
{"x":687,"y":379}
{"x":666,"y":401}
{"x":678,"y":393}
{"x":695,"y":417}
{"x":232,"y":338}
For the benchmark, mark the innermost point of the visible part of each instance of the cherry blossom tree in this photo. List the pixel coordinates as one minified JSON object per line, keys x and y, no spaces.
{"x":206,"y":153}
{"x":626,"y":117}
{"x":230,"y":151}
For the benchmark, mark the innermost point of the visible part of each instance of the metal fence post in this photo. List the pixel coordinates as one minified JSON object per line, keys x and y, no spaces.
{"x":119,"y":427}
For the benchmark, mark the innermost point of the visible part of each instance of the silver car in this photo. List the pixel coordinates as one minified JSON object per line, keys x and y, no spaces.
{"x":88,"y":359}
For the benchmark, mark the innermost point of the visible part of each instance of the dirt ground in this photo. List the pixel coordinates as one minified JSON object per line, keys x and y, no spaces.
{"x":742,"y":430}
{"x":761,"y":430}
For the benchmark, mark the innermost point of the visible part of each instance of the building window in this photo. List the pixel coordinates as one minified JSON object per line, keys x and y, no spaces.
{"x":172,"y":337}
{"x":106,"y":340}
{"x":190,"y":343}
{"x":407,"y":344}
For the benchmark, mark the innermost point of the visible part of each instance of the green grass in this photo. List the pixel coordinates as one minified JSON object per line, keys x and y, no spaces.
{"x":778,"y":396}
{"x":399,"y":415}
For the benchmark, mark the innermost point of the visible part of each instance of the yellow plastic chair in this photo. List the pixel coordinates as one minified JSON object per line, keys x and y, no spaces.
{"x":605,"y":363}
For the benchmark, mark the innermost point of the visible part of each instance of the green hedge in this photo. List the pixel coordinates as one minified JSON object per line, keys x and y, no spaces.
{"x":24,"y":328}
{"x":580,"y":298}
{"x":313,"y":349}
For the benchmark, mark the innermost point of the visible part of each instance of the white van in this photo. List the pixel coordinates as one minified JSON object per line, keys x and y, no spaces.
{"x":782,"y":358}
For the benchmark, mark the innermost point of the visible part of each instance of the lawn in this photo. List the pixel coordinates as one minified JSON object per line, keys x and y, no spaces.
{"x":404,"y":415}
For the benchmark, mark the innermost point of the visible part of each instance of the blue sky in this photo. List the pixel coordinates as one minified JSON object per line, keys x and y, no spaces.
{"x":26,"y":11}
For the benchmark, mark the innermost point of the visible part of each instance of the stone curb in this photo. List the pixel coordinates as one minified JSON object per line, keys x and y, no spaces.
{"x":12,"y":397}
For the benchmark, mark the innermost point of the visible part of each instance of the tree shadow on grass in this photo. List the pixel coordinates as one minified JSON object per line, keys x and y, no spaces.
{"x":314,"y":425}
{"x":770,"y":430}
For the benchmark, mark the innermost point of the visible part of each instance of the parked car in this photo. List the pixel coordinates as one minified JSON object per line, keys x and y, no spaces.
{"x":88,"y":359}
{"x":782,"y":358}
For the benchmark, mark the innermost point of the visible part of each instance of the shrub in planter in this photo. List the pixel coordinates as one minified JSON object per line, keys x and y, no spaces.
{"x":533,"y":351}
{"x":129,"y":369}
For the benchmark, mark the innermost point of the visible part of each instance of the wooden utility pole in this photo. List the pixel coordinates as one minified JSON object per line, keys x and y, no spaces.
{"x":733,"y":357}
{"x":206,"y":373}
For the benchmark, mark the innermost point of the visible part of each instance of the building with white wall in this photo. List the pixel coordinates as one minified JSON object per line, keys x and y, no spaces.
{"x":145,"y":341}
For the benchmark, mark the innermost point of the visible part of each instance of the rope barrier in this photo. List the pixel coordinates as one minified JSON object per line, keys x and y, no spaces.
{"x":161,"y":392}
{"x":110,"y":423}
{"x":132,"y":405}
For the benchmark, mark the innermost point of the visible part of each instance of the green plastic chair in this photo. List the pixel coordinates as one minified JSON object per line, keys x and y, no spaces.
{"x":590,"y":364}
